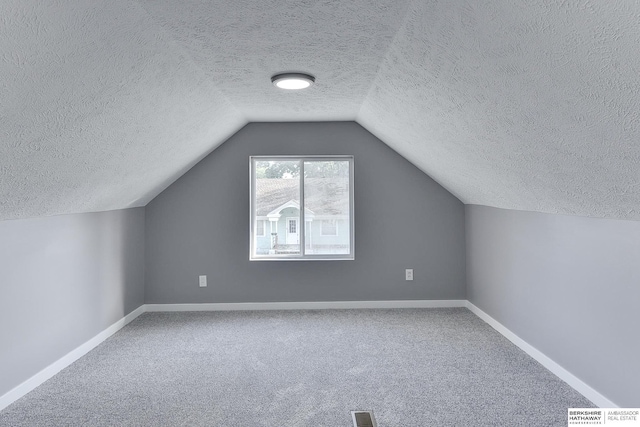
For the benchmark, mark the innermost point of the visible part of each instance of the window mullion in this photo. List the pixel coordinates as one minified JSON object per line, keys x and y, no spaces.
{"x":302,"y":219}
{"x":252,"y":204}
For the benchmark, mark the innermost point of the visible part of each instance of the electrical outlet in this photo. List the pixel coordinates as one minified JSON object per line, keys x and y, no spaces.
{"x":408,"y":274}
{"x":203,"y":281}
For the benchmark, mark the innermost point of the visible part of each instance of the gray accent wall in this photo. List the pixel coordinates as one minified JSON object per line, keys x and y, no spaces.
{"x":569,"y":286}
{"x":403,"y":219}
{"x":63,"y":280}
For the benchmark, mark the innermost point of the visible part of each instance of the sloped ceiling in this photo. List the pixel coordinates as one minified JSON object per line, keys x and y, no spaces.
{"x":527,"y":105}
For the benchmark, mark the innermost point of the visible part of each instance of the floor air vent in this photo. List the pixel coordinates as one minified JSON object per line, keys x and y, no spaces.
{"x":363,"y":419}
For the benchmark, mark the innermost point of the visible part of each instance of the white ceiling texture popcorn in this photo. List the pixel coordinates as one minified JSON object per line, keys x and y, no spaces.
{"x":530,"y":105}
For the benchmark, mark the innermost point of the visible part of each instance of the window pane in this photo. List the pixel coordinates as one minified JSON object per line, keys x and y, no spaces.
{"x":326,"y":201}
{"x":260,"y":228}
{"x":277,"y":201}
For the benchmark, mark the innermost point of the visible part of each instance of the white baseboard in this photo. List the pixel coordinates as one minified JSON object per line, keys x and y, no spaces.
{"x":318,"y":305}
{"x":66,"y":360}
{"x":575,"y":382}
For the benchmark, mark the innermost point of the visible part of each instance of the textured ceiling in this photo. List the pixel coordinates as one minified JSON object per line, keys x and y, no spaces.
{"x":530,"y":105}
{"x":527,"y":105}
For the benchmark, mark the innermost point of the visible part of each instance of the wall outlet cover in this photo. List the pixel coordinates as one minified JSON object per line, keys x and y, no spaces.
{"x":408,"y":274}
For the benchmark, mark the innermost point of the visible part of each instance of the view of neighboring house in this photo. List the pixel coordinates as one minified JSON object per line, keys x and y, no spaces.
{"x":326,"y":216}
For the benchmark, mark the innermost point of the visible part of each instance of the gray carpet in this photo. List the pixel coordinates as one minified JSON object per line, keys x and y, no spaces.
{"x":413,"y":368}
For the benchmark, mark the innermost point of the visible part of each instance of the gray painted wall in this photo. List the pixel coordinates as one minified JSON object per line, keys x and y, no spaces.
{"x":403,"y":219}
{"x":569,"y":286}
{"x":63,"y":280}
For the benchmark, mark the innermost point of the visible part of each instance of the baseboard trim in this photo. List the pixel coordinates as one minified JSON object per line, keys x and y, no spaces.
{"x":66,"y":360}
{"x":310,"y":305}
{"x":566,"y":376}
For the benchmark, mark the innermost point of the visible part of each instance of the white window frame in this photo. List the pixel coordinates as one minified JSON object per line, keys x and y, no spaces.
{"x":253,"y":256}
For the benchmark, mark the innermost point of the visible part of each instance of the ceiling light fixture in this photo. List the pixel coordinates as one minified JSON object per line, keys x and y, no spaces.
{"x":292,"y":81}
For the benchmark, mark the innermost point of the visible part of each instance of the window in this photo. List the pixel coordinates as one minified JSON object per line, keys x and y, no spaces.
{"x":260,"y":228}
{"x":298,"y":204}
{"x":328,"y":227}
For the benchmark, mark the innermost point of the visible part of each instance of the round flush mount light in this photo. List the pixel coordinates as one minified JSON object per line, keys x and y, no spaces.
{"x":292,"y":81}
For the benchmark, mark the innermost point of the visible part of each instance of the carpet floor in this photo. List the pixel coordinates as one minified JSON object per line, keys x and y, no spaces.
{"x":411,"y":367}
